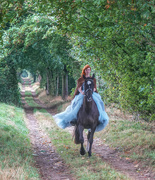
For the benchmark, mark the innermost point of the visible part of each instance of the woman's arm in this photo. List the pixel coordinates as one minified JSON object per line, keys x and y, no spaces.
{"x":95,"y":88}
{"x":80,"y":90}
{"x":79,"y":84}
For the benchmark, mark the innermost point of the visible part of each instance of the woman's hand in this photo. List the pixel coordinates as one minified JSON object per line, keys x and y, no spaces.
{"x":94,"y":89}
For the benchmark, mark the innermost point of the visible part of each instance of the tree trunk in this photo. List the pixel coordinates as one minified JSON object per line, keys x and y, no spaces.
{"x":47,"y":83}
{"x":57,"y":85}
{"x":66,"y":85}
{"x":51,"y":88}
{"x":39,"y":78}
{"x":63,"y":86}
{"x":34,"y":78}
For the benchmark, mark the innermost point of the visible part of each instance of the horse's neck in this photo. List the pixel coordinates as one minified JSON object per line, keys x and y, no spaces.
{"x":87,"y":105}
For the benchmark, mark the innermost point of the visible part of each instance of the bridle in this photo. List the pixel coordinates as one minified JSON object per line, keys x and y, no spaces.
{"x":89,"y":89}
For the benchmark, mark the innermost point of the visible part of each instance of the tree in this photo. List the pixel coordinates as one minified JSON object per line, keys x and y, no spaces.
{"x":117,"y":36}
{"x":35,"y":45}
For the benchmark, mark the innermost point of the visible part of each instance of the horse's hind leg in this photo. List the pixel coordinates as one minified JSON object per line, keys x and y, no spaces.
{"x":81,"y":139}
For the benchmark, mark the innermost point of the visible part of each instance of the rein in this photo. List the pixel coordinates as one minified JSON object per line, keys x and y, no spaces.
{"x":88,"y":90}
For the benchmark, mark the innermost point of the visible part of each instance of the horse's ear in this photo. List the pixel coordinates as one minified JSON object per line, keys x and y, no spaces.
{"x":93,"y":76}
{"x":84,"y":76}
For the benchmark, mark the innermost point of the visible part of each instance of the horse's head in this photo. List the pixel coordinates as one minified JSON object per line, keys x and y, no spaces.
{"x":89,"y":87}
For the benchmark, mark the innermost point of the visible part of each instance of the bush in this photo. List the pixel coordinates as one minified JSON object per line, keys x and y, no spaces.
{"x":9,"y":91}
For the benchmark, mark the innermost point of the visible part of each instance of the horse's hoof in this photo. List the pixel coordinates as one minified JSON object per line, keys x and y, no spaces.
{"x":82,"y":152}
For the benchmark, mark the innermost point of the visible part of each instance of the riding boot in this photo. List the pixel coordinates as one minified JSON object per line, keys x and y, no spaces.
{"x":73,"y":122}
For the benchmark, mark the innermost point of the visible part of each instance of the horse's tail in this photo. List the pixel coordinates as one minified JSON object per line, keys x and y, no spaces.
{"x":76,"y":135}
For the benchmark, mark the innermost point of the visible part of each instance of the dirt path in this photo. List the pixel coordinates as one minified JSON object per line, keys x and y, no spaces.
{"x":125,"y":166}
{"x":48,"y":162}
{"x":51,"y":166}
{"x":113,"y":158}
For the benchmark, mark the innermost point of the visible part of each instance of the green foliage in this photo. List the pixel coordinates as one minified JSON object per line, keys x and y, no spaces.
{"x":118,"y":38}
{"x":115,"y":37}
{"x":37,"y":43}
{"x":9,"y":92}
{"x":37,"y":46}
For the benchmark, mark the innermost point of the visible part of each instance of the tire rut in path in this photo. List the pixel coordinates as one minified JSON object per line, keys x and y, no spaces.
{"x":49,"y":163}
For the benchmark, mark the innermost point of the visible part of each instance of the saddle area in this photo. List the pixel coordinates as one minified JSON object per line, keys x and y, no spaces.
{"x":65,"y":118}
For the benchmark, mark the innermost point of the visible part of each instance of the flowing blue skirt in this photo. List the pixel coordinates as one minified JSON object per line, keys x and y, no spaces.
{"x":64,"y":119}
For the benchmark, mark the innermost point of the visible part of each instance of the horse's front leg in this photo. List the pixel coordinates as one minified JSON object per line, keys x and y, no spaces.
{"x":81,"y":139}
{"x":90,"y":139}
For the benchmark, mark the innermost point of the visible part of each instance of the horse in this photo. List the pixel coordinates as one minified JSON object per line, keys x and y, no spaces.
{"x":87,"y":117}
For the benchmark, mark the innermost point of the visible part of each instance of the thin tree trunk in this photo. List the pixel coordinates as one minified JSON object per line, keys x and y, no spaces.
{"x":66,"y":85}
{"x":63,"y":86}
{"x":57,"y":85}
{"x":47,"y":84}
{"x":39,"y":78}
{"x":51,"y":84}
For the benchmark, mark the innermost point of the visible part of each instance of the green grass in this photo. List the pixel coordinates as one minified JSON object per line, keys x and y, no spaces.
{"x":16,"y":161}
{"x":28,"y":93}
{"x":82,"y":167}
{"x":38,"y":91}
{"x":31,"y":102}
{"x":135,"y":139}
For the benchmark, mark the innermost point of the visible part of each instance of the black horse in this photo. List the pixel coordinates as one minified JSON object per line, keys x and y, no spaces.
{"x":87,"y":117}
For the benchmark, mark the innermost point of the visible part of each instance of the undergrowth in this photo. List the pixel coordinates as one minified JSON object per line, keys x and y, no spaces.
{"x":135,"y":139}
{"x":16,"y":161}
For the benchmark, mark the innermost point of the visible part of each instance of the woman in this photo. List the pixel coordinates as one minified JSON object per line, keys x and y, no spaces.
{"x":69,"y":116}
{"x":85,"y":71}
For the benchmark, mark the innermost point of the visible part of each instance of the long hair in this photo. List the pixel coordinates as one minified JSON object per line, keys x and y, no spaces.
{"x":83,"y":70}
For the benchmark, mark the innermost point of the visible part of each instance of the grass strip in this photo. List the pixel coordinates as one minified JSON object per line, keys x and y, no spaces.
{"x":135,"y":138}
{"x":82,"y":167}
{"x":28,"y":93}
{"x":16,"y":160}
{"x":26,"y":81}
{"x":30,"y":102}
